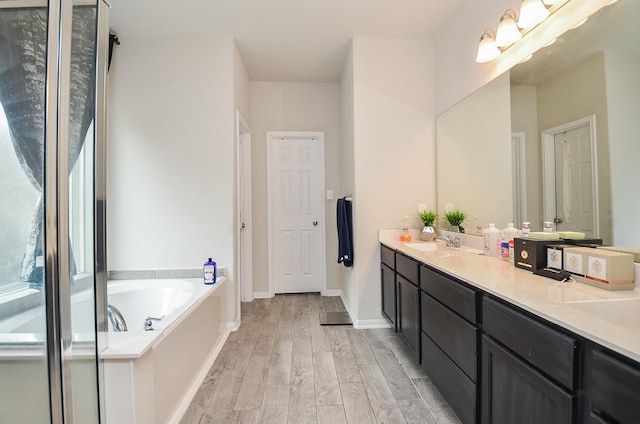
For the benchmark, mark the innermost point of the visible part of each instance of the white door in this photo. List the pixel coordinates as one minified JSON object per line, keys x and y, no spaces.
{"x":296,"y":212}
{"x":571,"y":183}
{"x":245,"y":227}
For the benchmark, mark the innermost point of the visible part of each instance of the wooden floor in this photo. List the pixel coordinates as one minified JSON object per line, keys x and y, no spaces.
{"x":281,"y":366}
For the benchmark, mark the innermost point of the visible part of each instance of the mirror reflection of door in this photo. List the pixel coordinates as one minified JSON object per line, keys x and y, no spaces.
{"x":519,"y":177}
{"x":570,"y":192}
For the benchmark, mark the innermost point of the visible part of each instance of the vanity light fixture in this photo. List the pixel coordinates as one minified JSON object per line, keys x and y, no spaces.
{"x":487,"y":49}
{"x":552,"y":2}
{"x":532,"y":12}
{"x":508,"y":32}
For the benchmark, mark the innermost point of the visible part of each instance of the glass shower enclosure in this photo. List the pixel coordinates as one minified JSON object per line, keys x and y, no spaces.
{"x":52,"y":254}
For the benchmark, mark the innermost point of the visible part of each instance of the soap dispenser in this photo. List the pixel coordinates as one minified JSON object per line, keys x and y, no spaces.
{"x":405,"y":236}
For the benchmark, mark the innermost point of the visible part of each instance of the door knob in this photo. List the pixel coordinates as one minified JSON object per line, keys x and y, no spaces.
{"x":242,"y":226}
{"x":557,"y":220}
{"x":315,"y":223}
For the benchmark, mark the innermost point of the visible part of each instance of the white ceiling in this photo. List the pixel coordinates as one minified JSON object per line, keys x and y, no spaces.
{"x":284,"y":40}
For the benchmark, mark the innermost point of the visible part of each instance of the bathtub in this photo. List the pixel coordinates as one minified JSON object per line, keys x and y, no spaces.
{"x":149,"y":376}
{"x":152,"y":376}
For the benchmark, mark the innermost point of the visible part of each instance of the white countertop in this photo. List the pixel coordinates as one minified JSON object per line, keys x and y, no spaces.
{"x":610,"y":318}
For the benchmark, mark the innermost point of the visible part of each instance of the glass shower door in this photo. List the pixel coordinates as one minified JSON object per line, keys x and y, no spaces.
{"x":24,"y":386}
{"x":49,"y":371}
{"x":81,"y":172}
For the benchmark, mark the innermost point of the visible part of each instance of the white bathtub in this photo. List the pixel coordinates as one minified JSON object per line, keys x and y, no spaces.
{"x":149,"y":376}
{"x":152,"y":376}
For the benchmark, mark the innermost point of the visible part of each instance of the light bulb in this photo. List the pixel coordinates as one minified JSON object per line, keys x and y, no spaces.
{"x":532,"y":12}
{"x":508,"y":32}
{"x":487,"y":50}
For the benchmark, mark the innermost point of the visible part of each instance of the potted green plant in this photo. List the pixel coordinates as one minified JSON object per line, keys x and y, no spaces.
{"x":428,"y":232}
{"x":455,"y":220}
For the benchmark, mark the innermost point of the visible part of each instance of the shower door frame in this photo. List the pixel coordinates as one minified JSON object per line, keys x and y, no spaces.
{"x":56,"y":191}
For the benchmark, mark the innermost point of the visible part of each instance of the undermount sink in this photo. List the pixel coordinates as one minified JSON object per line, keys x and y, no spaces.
{"x":426,"y":246}
{"x":612,"y":310}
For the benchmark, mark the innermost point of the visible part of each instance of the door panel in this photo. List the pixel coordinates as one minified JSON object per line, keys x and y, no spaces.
{"x":296,"y":210}
{"x":574,"y":180}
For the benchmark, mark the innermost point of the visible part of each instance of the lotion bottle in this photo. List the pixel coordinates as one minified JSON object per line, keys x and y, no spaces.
{"x":209,"y":271}
{"x":490,"y":237}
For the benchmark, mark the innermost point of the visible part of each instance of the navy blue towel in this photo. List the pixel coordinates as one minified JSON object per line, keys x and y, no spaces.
{"x":345,"y":233}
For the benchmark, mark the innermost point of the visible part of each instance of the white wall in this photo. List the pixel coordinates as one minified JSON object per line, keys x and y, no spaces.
{"x":474,"y":141}
{"x":171,"y":154}
{"x":623,"y":104}
{"x":289,"y":106}
{"x":347,"y":278}
{"x":393,"y":151}
{"x":524,"y":118}
{"x":456,"y":45}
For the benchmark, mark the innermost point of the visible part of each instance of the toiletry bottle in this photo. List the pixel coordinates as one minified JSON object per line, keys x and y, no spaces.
{"x":405,"y":236}
{"x":490,"y":237}
{"x":548,"y":227}
{"x":526,"y":228}
{"x":210,"y":271}
{"x":506,"y":237}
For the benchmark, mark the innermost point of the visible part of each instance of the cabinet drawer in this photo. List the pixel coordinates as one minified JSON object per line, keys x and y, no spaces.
{"x":615,"y":389}
{"x":408,"y":268}
{"x":455,"y":336}
{"x":454,"y":295}
{"x":388,"y":256}
{"x":553,"y":352}
{"x":452,"y":383}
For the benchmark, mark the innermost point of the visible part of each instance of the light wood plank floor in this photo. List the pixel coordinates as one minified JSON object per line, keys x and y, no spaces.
{"x":281,"y":366}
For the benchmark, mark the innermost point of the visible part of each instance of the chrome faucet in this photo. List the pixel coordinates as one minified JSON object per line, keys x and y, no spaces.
{"x":148,"y":322}
{"x":451,"y":241}
{"x":116,"y":318}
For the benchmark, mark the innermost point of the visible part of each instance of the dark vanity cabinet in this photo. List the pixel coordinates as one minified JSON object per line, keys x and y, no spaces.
{"x":496,"y":363}
{"x":450,"y":339}
{"x":529,"y":368}
{"x":613,"y":387}
{"x":408,"y":306}
{"x":388,"y":279}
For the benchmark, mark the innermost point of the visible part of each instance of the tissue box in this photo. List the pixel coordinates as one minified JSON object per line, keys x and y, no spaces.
{"x":531,"y":254}
{"x":600,"y":268}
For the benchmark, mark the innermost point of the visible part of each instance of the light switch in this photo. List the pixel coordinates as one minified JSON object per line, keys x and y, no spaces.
{"x":329,"y":194}
{"x":422,"y":207}
{"x":448,"y":207}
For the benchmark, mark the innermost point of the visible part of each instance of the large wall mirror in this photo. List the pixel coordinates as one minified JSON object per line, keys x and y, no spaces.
{"x":569,"y":153}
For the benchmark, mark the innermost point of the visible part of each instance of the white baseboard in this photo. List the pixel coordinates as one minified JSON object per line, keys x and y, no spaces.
{"x":363,"y":324}
{"x":197,"y":382}
{"x":234,"y":325}
{"x":333,"y":292}
{"x":262,"y":295}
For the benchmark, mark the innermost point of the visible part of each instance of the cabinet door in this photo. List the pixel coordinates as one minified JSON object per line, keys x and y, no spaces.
{"x":409,"y":314}
{"x":615,"y":389}
{"x":513,"y":392}
{"x":455,"y":336}
{"x":388,"y":278}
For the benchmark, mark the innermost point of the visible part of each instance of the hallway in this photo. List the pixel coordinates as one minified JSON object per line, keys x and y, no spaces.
{"x":281,"y":366}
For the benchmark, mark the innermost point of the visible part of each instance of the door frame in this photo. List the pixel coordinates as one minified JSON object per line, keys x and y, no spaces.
{"x":244,"y":235}
{"x":519,"y":177}
{"x":312,"y":135}
{"x":549,"y":174}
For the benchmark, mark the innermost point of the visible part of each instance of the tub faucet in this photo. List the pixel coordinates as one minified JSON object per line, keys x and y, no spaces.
{"x":148,"y":322}
{"x":451,"y":241}
{"x":116,"y":318}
